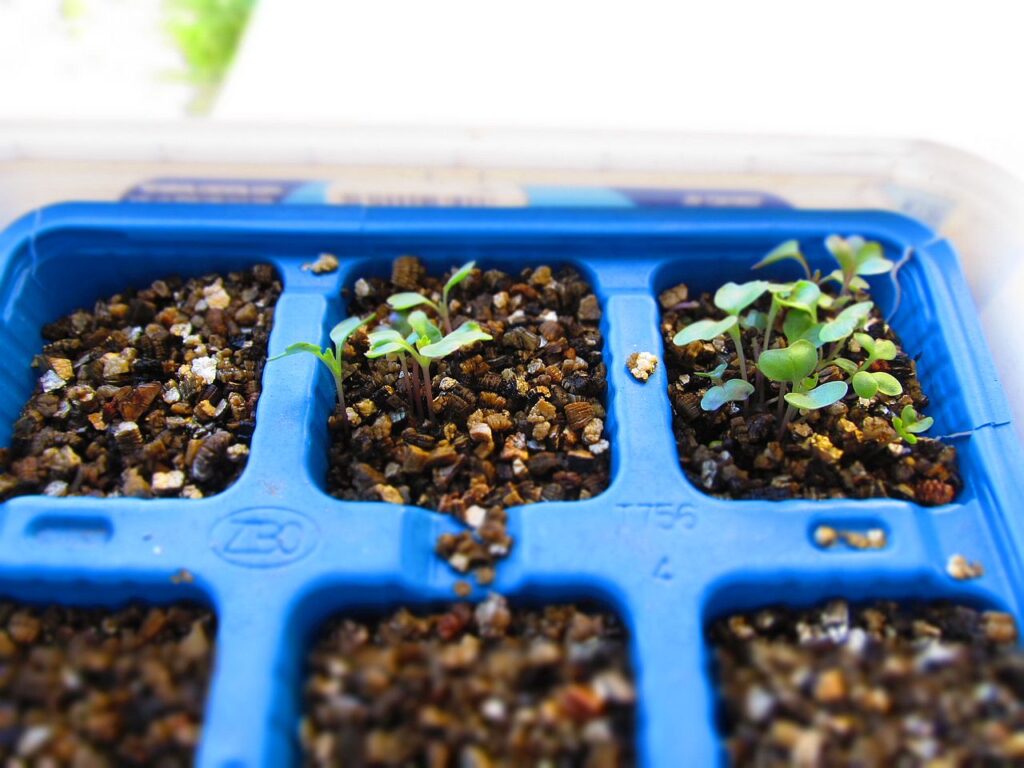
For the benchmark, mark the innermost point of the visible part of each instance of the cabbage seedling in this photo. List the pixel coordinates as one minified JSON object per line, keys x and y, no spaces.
{"x":733,"y":298}
{"x":789,"y":250}
{"x":424,"y":345}
{"x":794,"y":366}
{"x":909,"y":424}
{"x":857,"y":258}
{"x":732,"y":391}
{"x":332,"y":358}
{"x":410,"y":299}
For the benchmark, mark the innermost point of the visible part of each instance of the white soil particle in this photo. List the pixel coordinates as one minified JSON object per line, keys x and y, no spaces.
{"x":825,"y":536}
{"x":172,"y":394}
{"x":475,"y":516}
{"x":216,"y":296}
{"x":56,"y":488}
{"x":593,"y":431}
{"x":324,"y":264}
{"x":459,"y":562}
{"x":362,"y":288}
{"x":598,"y":448}
{"x":50,"y":382}
{"x":168,"y":481}
{"x":205,"y":368}
{"x":642,"y":365}
{"x":181,"y":329}
{"x":493,"y":709}
{"x":33,"y":739}
{"x":960,"y":568}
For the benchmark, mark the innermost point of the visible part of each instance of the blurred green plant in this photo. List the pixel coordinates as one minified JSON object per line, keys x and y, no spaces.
{"x":207,"y":33}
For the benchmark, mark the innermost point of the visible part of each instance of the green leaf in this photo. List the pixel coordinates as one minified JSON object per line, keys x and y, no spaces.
{"x":847,"y":366}
{"x":424,"y":329}
{"x":326,"y":356}
{"x":461,"y":274}
{"x":803,"y":295}
{"x":713,"y":374}
{"x":795,"y":325}
{"x":754,"y":319}
{"x":299,"y":346}
{"x":799,"y":326}
{"x":819,"y":397}
{"x":735,"y":390}
{"x":877,"y":349}
{"x":871,"y":260}
{"x":844,"y":250}
{"x":887,"y":384}
{"x":864,"y":385}
{"x":408,"y":300}
{"x":734,"y":298}
{"x":913,"y":423}
{"x":382,"y":335}
{"x":387,"y":348}
{"x":344,"y":329}
{"x":787,"y":250}
{"x":901,"y":430}
{"x":703,"y":330}
{"x":468,"y":333}
{"x":846,"y":322}
{"x":791,"y":363}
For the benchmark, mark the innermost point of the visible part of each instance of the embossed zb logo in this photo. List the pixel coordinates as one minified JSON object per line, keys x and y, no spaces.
{"x":263,"y":537}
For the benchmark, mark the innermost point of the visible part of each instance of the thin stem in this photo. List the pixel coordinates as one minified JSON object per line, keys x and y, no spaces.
{"x":782,"y":400}
{"x":734,"y":332}
{"x":425,"y":371}
{"x":790,"y":410}
{"x":772,"y":312}
{"x":758,"y":377}
{"x":339,"y":387}
{"x":411,"y":393}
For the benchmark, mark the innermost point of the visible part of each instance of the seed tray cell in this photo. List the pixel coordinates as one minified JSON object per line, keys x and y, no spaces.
{"x":274,"y":555}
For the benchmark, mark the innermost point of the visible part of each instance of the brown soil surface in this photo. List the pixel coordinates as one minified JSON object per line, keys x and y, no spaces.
{"x":93,"y":687}
{"x":471,"y":687}
{"x":878,"y":685}
{"x":152,"y":393}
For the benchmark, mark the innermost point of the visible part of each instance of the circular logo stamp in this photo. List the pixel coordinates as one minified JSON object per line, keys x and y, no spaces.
{"x":264,"y":537}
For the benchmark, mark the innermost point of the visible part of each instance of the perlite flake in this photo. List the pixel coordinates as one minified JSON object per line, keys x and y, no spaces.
{"x":205,"y":368}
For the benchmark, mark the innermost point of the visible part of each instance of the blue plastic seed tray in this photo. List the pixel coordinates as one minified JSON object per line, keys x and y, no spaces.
{"x":275,"y":555}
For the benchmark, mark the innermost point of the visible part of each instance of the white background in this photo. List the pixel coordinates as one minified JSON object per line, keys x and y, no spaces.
{"x":941,"y":70}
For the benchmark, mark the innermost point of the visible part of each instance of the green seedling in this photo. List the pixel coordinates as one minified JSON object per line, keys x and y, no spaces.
{"x":732,"y":391}
{"x":794,"y":366}
{"x":909,"y":424}
{"x":424,"y":345}
{"x":789,"y":250}
{"x":867,"y":384}
{"x":410,"y":299}
{"x":805,"y":368}
{"x":846,"y":322}
{"x":333,"y":358}
{"x":857,"y":258}
{"x":715,"y":375}
{"x":733,"y":298}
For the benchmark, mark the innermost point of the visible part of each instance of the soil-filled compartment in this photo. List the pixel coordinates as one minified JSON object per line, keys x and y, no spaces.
{"x":742,"y":435}
{"x":517,"y":419}
{"x":93,"y":687}
{"x":151,"y":392}
{"x":486,"y":684}
{"x":870,"y":683}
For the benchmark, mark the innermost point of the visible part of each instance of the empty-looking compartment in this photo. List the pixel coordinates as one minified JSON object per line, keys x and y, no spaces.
{"x":135,"y":386}
{"x":516,"y":418}
{"x":830,"y":404}
{"x":487,"y":684}
{"x":91,"y":686}
{"x":869,"y":683}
